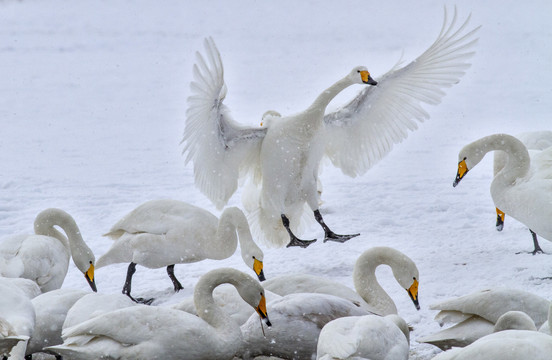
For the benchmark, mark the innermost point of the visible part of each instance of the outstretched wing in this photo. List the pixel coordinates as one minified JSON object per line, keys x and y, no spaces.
{"x":364,"y":131}
{"x":220,"y":149}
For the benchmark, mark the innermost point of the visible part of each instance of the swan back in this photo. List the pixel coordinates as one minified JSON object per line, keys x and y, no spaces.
{"x":404,"y":270}
{"x":514,"y":320}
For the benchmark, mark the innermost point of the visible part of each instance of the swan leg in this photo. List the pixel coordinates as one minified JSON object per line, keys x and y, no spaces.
{"x":126,"y":288}
{"x":329,"y":234}
{"x":536,"y":243}
{"x":294,"y":240}
{"x":177,"y":285}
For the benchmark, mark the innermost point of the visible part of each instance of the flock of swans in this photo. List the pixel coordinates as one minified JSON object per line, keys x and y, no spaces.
{"x":306,"y":316}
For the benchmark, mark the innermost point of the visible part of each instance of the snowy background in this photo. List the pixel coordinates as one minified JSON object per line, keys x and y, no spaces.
{"x":92,"y":109}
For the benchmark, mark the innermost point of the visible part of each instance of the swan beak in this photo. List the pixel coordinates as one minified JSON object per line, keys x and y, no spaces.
{"x":462,"y":171}
{"x":89,"y":276}
{"x":261,"y":310}
{"x":367,"y":79}
{"x":499,"y":219}
{"x":413,"y":292}
{"x":258,"y":268}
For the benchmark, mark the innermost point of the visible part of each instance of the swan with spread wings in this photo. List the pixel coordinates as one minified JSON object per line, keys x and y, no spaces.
{"x":283,"y":157}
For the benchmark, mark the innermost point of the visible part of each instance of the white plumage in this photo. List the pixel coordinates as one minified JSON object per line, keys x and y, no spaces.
{"x":44,"y":256}
{"x":150,"y":332}
{"x":523,"y":188}
{"x":162,"y":233}
{"x":369,"y":294}
{"x":368,"y":337}
{"x":284,"y":157}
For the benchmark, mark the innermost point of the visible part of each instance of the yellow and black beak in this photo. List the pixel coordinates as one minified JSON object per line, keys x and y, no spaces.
{"x":89,"y":276}
{"x":261,"y":310}
{"x":462,"y":171}
{"x":366,"y":78}
{"x":258,"y":268}
{"x":413,"y":293}
{"x":499,"y":219}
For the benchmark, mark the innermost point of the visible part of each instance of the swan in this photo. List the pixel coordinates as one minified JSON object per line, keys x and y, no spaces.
{"x":515,"y":337}
{"x":284,"y":157}
{"x":228,"y":299}
{"x":476,"y":314}
{"x":44,"y":256}
{"x":17,"y":318}
{"x":523,"y":188}
{"x":297,"y":321}
{"x":151,"y":332}
{"x":50,"y":310}
{"x":364,"y":337}
{"x":369,"y":294}
{"x":534,"y":141}
{"x":162,"y":233}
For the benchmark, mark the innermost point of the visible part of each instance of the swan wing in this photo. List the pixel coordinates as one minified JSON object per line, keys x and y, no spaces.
{"x":362,"y":132}
{"x":221,"y":149}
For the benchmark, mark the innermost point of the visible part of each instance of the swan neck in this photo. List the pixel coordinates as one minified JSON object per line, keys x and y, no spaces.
{"x":322,"y":101}
{"x":227,"y":239}
{"x":367,"y":285}
{"x":518,"y":161}
{"x":205,"y":303}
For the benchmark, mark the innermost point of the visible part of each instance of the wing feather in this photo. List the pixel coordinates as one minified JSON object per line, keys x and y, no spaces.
{"x":220,"y":149}
{"x":362,"y":132}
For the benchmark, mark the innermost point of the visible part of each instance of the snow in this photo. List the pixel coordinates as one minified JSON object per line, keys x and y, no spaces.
{"x":92,"y":108}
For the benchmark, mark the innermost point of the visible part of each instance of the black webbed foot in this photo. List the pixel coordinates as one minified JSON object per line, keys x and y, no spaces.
{"x":294,"y":241}
{"x":338,"y":238}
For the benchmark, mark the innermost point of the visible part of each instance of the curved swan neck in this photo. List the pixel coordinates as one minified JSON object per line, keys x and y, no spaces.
{"x":366,"y":284}
{"x":518,"y":161}
{"x":227,"y":239}
{"x":322,"y":101}
{"x":44,"y":225}
{"x":205,"y":304}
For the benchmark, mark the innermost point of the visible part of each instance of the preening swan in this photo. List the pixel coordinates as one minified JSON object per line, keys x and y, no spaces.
{"x":476,"y":314}
{"x":163,"y":233}
{"x":297,"y":321}
{"x":44,"y":256}
{"x":515,"y":337}
{"x":523,"y":188}
{"x":284,"y":157}
{"x":364,"y":337}
{"x":151,"y":332}
{"x":95,"y":304}
{"x":369,"y":295}
{"x":534,"y":141}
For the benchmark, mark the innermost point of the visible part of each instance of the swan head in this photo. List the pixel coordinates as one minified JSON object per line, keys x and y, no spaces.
{"x":361,"y":75}
{"x":268,"y":116}
{"x":253,"y":293}
{"x":468,"y":157}
{"x":84,"y":260}
{"x":254,"y":259}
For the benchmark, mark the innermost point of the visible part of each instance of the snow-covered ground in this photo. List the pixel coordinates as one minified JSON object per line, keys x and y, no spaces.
{"x":92,"y":109}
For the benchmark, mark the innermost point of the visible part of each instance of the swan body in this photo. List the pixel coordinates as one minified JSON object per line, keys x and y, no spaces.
{"x":94,"y":304}
{"x":297,"y":322}
{"x":369,"y":295}
{"x":162,"y":233}
{"x":476,"y":314}
{"x":364,"y":337}
{"x":523,"y":188}
{"x":515,"y":337}
{"x":44,"y":256}
{"x":51,"y":310}
{"x":283,"y":158}
{"x":17,"y":318}
{"x":150,"y":332}
{"x":228,"y":299}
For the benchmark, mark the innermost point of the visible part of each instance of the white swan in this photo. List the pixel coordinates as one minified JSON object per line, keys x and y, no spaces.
{"x":149,"y":332}
{"x":475,"y":314}
{"x":364,"y":337}
{"x":534,"y":141}
{"x":228,"y":299}
{"x":369,"y":294}
{"x":17,"y":318}
{"x":523,"y":188}
{"x":95,"y":304}
{"x":51,"y":310}
{"x":163,"y":233}
{"x":44,"y":256}
{"x":297,"y":320}
{"x":515,"y":337}
{"x":286,"y":155}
